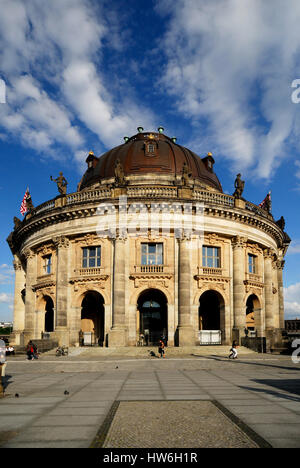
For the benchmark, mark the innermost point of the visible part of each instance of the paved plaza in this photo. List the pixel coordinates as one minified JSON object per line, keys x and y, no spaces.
{"x":112,"y":398}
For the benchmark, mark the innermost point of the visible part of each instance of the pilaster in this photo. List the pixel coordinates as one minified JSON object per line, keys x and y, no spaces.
{"x":117,"y":334}
{"x":30,"y":295}
{"x":239,"y":312}
{"x":186,"y":334}
{"x":62,"y":245}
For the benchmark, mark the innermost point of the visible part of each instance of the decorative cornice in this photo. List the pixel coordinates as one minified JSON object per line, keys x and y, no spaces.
{"x":89,"y":279}
{"x":82,"y":207}
{"x":43,"y":285}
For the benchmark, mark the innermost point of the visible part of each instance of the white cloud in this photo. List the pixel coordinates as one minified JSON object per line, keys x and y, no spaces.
{"x":6,"y":274}
{"x":6,"y":298}
{"x":58,"y":46}
{"x":231,"y":61}
{"x":292,"y":301}
{"x":294,"y":247}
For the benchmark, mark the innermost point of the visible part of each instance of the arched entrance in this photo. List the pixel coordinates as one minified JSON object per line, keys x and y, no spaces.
{"x":153,"y":316}
{"x":253,"y":313}
{"x":92,"y":316}
{"x":49,"y":314}
{"x":212,"y":316}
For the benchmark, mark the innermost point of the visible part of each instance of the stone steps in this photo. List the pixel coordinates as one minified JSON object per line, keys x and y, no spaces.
{"x":143,"y":351}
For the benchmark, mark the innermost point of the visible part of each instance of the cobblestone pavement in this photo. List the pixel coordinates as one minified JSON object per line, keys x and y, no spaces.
{"x":260,"y":391}
{"x":156,"y":424}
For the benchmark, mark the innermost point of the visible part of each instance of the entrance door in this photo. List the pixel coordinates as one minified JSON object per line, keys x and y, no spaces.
{"x":211,"y":321}
{"x":92,"y":316}
{"x":49,"y":315}
{"x":152,"y":306}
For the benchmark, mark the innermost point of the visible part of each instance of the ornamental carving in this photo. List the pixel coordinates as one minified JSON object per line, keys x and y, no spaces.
{"x":45,"y":250}
{"x":88,"y":239}
{"x":61,"y":242}
{"x":253,"y":285}
{"x":268,"y":254}
{"x":254,"y":249}
{"x":152,"y":281}
{"x":213,"y":239}
{"x":206,"y":282}
{"x":44,"y":285}
{"x":280,"y":264}
{"x":239,"y":242}
{"x":17,"y":265}
{"x":97,"y":281}
{"x":29,"y":254}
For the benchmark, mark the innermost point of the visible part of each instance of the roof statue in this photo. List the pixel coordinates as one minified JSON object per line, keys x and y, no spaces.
{"x":17,"y":223}
{"x":61,"y":183}
{"x":119,"y":174}
{"x":186,"y":174}
{"x":239,"y":187}
{"x":29,"y":204}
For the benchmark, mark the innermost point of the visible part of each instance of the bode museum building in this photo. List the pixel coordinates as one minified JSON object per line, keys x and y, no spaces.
{"x":148,"y":246}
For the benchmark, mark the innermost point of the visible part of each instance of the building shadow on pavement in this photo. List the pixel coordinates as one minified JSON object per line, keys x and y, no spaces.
{"x":247,"y":363}
{"x":290,"y":385}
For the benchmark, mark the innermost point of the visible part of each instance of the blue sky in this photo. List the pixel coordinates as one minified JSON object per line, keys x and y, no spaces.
{"x":217,"y":74}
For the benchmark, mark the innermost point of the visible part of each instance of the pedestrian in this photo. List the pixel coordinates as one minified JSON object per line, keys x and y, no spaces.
{"x":35,"y":351}
{"x":233,"y":350}
{"x":81,"y":338}
{"x":146,"y":334}
{"x":161,"y":349}
{"x":30,"y":350}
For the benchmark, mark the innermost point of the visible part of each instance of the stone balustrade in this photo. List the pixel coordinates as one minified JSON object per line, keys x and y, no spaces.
{"x":150,"y":192}
{"x":149,"y":268}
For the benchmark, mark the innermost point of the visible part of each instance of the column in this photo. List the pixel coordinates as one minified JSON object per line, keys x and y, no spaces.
{"x":117,"y":334}
{"x":19,"y":306}
{"x":30,"y":295}
{"x":61,"y":308}
{"x":269,"y":314}
{"x":186,"y":334}
{"x":275,"y":295}
{"x":238,"y":276}
{"x":280,"y":266}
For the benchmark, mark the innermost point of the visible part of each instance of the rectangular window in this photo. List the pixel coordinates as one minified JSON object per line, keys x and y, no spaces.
{"x":91,"y":257}
{"x":152,"y":254}
{"x":211,"y":257}
{"x":151,"y":148}
{"x":251,"y":263}
{"x":47,"y":264}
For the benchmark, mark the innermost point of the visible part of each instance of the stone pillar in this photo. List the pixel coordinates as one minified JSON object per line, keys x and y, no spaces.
{"x":61,"y":317}
{"x":269,"y":315}
{"x":117,"y":334}
{"x":19,"y":306}
{"x":186,"y":334}
{"x":275,"y":295}
{"x":268,"y":286}
{"x":280,"y":266}
{"x":238,"y":276}
{"x":31,"y":267}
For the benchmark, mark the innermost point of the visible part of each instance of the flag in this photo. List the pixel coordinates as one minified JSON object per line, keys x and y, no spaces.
{"x":24,"y":208}
{"x":266,"y":203}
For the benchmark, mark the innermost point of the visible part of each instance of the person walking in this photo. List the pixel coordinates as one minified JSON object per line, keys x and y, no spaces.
{"x":233,"y":350}
{"x":161,"y":349}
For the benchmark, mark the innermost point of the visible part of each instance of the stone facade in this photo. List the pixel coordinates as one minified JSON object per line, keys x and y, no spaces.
{"x":61,"y":289}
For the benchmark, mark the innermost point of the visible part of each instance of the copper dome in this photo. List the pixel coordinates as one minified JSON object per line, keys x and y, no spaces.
{"x":150,"y":153}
